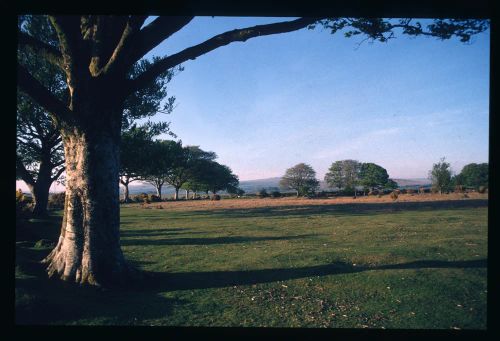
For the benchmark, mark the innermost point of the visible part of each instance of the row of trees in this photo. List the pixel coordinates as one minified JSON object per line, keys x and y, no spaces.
{"x":344,"y":175}
{"x":473,"y":175}
{"x":160,"y":162}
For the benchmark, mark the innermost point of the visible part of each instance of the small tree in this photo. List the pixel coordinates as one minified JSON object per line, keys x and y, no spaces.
{"x":344,"y":174}
{"x":301,"y":178}
{"x":159,"y":160}
{"x":440,"y":175}
{"x":373,"y":176}
{"x":216,"y":177}
{"x":185,"y":165}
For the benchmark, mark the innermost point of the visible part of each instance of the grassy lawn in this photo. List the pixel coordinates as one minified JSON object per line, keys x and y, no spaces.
{"x":420,"y":265}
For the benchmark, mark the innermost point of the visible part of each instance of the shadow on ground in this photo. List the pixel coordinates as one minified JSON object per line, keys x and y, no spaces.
{"x":162,"y":281}
{"x":351,"y":209}
{"x":207,"y":241}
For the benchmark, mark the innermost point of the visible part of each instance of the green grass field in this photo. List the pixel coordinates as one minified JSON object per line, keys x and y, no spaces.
{"x":339,"y":266}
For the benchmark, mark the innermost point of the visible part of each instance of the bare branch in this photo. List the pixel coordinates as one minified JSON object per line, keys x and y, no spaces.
{"x":58,"y":174}
{"x":41,"y":95}
{"x":50,"y":53}
{"x":154,"y":33}
{"x":216,"y":42}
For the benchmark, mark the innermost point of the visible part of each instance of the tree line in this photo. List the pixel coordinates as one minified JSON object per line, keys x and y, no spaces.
{"x":160,"y":162}
{"x":344,"y":175}
{"x":347,"y":175}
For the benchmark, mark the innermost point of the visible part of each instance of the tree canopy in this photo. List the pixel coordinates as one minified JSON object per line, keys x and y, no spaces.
{"x":301,"y":178}
{"x":372,"y":175}
{"x":474,"y":175}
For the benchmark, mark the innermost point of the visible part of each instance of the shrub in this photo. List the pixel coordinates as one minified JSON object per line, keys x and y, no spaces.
{"x":262,"y":193}
{"x":482,"y":189}
{"x":23,"y":204}
{"x":434,"y":190}
{"x":394,"y":195}
{"x":56,"y":201}
{"x":276,"y":194}
{"x":373,"y":192}
{"x":459,"y":189}
{"x":154,"y":198}
{"x":421,"y":190}
{"x":215,"y":197}
{"x":410,"y":191}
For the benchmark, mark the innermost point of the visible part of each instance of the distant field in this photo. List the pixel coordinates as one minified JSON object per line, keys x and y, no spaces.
{"x":338,"y":263}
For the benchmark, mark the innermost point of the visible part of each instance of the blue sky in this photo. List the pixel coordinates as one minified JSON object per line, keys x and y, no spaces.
{"x":308,"y":96}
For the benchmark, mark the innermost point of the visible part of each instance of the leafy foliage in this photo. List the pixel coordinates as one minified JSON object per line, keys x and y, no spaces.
{"x":344,"y":174}
{"x":474,"y":175}
{"x":372,"y":175}
{"x":382,"y":30}
{"x":301,"y":178}
{"x":440,"y":175}
{"x":37,"y":135}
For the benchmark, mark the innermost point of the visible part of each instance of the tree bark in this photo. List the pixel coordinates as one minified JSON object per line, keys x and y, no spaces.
{"x":158,"y":191}
{"x":187,"y":194}
{"x":40,"y":193}
{"x":88,"y":250}
{"x":176,"y":193}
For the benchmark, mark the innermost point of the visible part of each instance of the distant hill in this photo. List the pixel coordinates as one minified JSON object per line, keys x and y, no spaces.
{"x":270,"y":184}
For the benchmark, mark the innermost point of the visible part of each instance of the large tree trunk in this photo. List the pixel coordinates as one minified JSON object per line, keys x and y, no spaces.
{"x":89,"y":250}
{"x":40,"y":192}
{"x":187,"y":194}
{"x":158,"y":190}
{"x":176,"y":193}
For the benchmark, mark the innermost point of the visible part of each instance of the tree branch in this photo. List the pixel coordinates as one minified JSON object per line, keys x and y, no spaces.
{"x":131,"y":28}
{"x":40,"y":94}
{"x":154,"y":33}
{"x":58,"y":174}
{"x":50,"y":53}
{"x":215,"y":42}
{"x":23,"y":172}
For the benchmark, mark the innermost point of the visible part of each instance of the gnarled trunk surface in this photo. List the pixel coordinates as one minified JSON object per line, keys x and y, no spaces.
{"x":88,"y":250}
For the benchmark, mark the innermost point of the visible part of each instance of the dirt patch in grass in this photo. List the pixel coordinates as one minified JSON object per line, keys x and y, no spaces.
{"x":245,"y":203}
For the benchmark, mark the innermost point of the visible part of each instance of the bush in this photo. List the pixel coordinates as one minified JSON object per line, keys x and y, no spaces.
{"x":56,"y":201}
{"x":153,"y":198}
{"x":394,"y":195}
{"x":373,"y":192}
{"x":23,"y":204}
{"x":459,"y":189}
{"x":262,"y":193}
{"x":434,"y":190}
{"x":215,"y":197}
{"x":410,"y":191}
{"x":421,"y":190}
{"x":276,"y":194}
{"x":482,"y":189}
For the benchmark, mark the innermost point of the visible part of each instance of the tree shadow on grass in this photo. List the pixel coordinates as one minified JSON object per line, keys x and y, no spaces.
{"x":163,"y":281}
{"x":154,"y":232}
{"x":40,"y":300}
{"x":208,"y":241}
{"x":350,"y":209}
